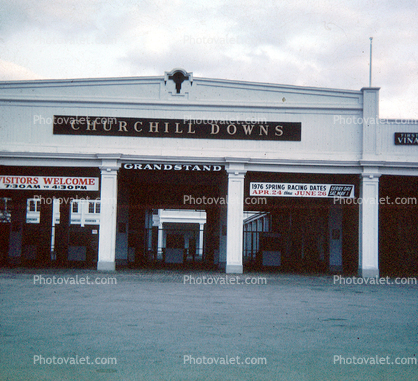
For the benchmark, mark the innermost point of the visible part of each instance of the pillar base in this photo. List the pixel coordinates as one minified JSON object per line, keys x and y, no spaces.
{"x":234,"y":269}
{"x":106,"y":266}
{"x":368,"y":273}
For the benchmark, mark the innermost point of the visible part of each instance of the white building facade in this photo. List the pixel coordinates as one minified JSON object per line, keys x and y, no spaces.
{"x":336,"y":182}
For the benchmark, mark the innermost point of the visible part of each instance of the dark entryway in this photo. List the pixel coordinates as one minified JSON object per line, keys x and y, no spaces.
{"x":160,"y":210}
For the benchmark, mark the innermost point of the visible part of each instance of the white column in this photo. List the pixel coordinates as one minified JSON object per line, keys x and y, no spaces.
{"x":235,"y":213}
{"x":369,"y":226}
{"x":108,"y":212}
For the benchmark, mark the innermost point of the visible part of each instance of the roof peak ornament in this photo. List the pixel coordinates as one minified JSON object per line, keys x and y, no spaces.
{"x":178,"y":76}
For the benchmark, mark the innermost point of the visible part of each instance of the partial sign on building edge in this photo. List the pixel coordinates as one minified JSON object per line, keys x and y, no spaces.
{"x":302,"y":190}
{"x":406,"y":138}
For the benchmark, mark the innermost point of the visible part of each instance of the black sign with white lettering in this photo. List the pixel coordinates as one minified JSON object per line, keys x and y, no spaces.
{"x":177,"y":128}
{"x":406,"y":138}
{"x":172,"y":167}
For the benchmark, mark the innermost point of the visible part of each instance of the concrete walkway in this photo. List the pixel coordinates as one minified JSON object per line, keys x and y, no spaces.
{"x":174,"y":325}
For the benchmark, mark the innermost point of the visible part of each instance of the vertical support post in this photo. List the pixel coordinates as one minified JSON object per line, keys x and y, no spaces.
{"x":370,"y":68}
{"x":121,"y":254}
{"x":211,"y":243}
{"x":16,"y":235}
{"x":200,"y":246}
{"x":235,"y":214}
{"x":369,"y":226}
{"x":44,"y":249}
{"x":160,"y":240}
{"x":220,"y":252}
{"x":108,"y":212}
{"x":62,"y":233}
{"x":335,"y":223}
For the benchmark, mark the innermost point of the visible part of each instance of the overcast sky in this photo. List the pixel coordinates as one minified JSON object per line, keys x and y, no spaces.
{"x":307,"y":43}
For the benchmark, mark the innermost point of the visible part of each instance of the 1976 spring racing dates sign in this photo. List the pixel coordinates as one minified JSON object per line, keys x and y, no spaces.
{"x":49,"y":183}
{"x":176,"y":128}
{"x":302,"y":190}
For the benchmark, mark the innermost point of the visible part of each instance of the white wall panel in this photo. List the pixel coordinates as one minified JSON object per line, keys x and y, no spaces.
{"x":27,"y":109}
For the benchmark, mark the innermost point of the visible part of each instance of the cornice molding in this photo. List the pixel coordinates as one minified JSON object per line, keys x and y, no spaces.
{"x":117,"y":102}
{"x":245,"y":164}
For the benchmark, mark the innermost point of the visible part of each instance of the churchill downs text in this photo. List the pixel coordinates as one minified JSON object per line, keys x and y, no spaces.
{"x":110,"y":124}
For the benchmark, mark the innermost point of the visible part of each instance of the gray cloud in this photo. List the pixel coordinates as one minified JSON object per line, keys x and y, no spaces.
{"x":323,"y":43}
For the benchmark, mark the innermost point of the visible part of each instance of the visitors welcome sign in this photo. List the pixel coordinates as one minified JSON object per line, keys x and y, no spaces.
{"x":49,"y":182}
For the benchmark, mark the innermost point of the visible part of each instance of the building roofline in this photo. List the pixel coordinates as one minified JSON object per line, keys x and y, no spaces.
{"x":135,"y":80}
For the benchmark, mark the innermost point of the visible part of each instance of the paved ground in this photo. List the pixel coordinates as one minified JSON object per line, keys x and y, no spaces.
{"x":153,"y":326}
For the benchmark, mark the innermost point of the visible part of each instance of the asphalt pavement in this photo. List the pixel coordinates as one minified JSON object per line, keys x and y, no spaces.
{"x":191,"y":325}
